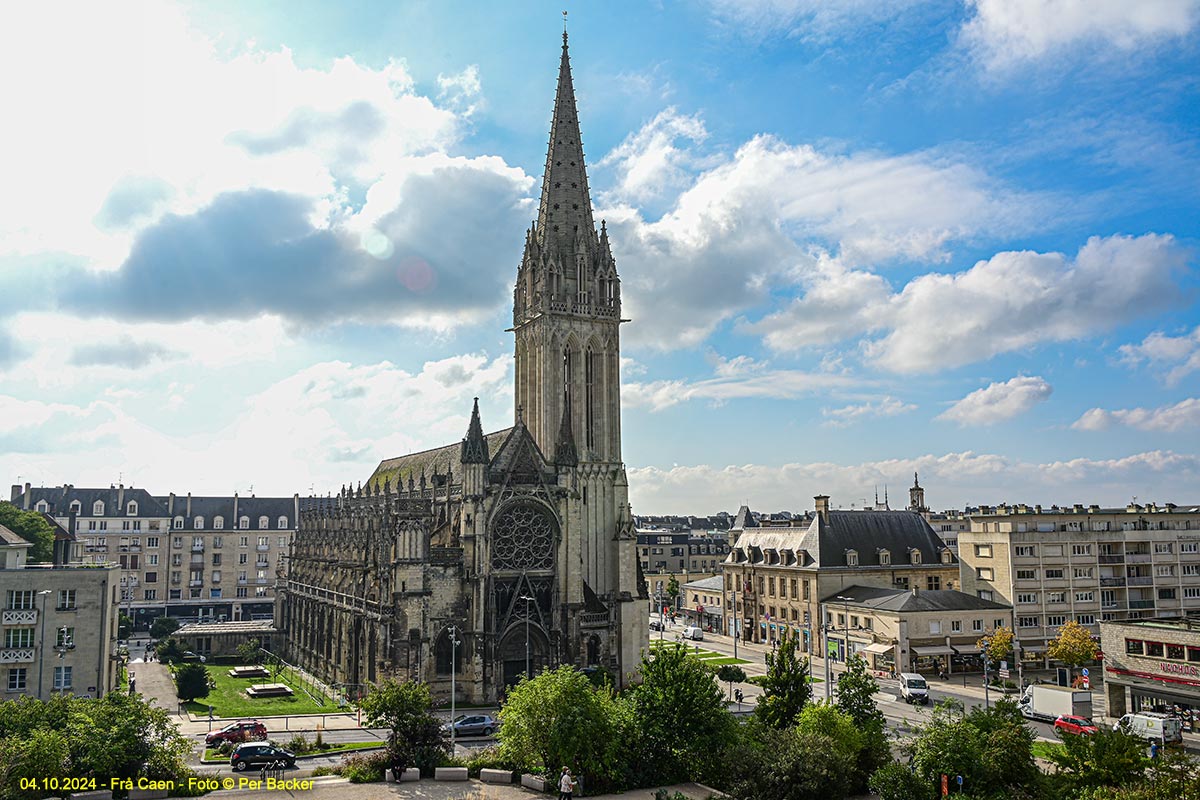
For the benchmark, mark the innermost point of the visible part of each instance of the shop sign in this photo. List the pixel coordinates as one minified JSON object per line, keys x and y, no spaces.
{"x":1180,"y":669}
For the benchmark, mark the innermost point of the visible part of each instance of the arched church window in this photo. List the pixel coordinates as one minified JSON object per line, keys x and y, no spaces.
{"x":589,"y":399}
{"x":523,"y":535}
{"x":446,"y":656}
{"x":568,"y":373}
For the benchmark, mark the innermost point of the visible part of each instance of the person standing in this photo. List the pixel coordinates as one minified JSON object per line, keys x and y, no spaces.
{"x":566,"y":785}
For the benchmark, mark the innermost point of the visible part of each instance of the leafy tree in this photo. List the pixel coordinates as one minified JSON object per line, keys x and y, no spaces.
{"x":33,"y":528}
{"x":1104,"y":759}
{"x":124,"y":625}
{"x":250,"y":652}
{"x":855,"y":698}
{"x":558,"y":718}
{"x":163,"y":626}
{"x":731,"y":674}
{"x":895,"y":781}
{"x":415,"y":737}
{"x":169,"y":651}
{"x":785,"y":686}
{"x":1073,"y":646}
{"x":673,"y":591}
{"x":791,"y":764}
{"x":997,"y":645}
{"x":681,"y":719}
{"x":191,"y":682}
{"x":43,"y":753}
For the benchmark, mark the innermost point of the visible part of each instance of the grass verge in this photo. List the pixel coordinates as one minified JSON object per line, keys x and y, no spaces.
{"x":211,"y":755}
{"x":1044,"y":749}
{"x":230,"y":701}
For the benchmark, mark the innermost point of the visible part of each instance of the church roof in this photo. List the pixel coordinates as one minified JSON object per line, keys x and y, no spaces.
{"x":438,"y":460}
{"x":565,"y":205}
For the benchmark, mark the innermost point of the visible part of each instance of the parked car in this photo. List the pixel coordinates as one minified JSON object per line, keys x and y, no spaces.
{"x":655,"y":625}
{"x":1069,"y":723}
{"x":1151,"y":726}
{"x":914,"y":688}
{"x":257,"y":754}
{"x":694,"y":632}
{"x":244,"y":730}
{"x":188,"y":655}
{"x":473,"y":725}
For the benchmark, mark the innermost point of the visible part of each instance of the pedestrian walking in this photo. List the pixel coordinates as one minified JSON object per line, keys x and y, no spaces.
{"x":566,"y":785}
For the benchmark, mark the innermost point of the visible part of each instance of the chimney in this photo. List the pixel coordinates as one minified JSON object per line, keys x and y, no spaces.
{"x":25,"y":497}
{"x":121,"y":498}
{"x":821,"y":502}
{"x":915,"y":591}
{"x":189,"y":506}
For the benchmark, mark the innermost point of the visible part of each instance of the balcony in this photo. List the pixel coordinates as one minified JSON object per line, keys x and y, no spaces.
{"x":1109,"y":605}
{"x":1140,"y":580}
{"x":1112,"y":559}
{"x":1138,"y":558}
{"x":1141,"y":604}
{"x":1112,"y":581}
{"x":130,"y":548}
{"x":262,"y":548}
{"x":197,"y":548}
{"x":16,"y":655}
{"x":19,"y":616}
{"x":194,"y":584}
{"x":260,"y":581}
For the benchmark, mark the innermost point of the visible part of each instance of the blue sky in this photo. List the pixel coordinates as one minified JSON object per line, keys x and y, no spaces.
{"x":265,"y":245}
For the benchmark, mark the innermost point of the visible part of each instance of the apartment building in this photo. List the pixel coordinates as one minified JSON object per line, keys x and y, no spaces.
{"x":1153,"y":665}
{"x":185,"y":556}
{"x":778,"y":578}
{"x":686,"y":555}
{"x":58,"y":625}
{"x":1083,"y":563}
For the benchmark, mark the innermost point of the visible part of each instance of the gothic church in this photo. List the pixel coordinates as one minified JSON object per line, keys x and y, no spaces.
{"x":508,"y":549}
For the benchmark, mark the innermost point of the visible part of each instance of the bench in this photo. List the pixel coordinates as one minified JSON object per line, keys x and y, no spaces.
{"x":409,"y":774}
{"x":249,"y":672}
{"x":270,"y":690}
{"x":450,"y":774}
{"x":495,"y":776}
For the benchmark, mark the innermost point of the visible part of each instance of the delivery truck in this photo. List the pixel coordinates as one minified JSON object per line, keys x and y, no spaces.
{"x":1047,"y":702}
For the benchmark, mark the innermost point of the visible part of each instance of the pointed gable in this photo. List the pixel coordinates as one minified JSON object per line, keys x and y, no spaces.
{"x":520,"y":460}
{"x":474,"y":445}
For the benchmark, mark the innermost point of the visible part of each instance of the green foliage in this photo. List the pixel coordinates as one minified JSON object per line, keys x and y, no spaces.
{"x":997,"y":645}
{"x":559,"y":718}
{"x":895,"y":781}
{"x":169,"y":651}
{"x":33,"y":528}
{"x":487,"y":758}
{"x":788,"y":764}
{"x":124,"y":625}
{"x":731,"y":673}
{"x":365,"y":767}
{"x":855,"y":689}
{"x":191,"y":682}
{"x":681,"y":719}
{"x":786,"y":688}
{"x":163,"y":626}
{"x":1073,"y":646}
{"x":991,"y":749}
{"x":116,"y":736}
{"x":673,"y":588}
{"x":1104,"y":759}
{"x":251,"y":652}
{"x":405,"y":708}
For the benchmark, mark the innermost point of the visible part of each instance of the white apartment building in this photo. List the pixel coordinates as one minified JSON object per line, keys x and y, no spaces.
{"x":1087,"y":564}
{"x":188,"y":557}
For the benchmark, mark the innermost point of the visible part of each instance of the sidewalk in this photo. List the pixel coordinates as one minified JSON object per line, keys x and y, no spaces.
{"x":338,"y":788}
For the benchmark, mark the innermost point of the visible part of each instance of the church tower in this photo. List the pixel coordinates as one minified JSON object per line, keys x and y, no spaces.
{"x":567,"y":305}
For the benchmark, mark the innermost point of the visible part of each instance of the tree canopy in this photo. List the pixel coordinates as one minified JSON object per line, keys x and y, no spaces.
{"x":786,"y":688}
{"x":997,"y":645}
{"x":405,"y":708}
{"x":191,"y":682}
{"x":33,"y":528}
{"x":1073,"y":646}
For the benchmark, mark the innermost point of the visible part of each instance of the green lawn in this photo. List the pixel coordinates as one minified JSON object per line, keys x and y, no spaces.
{"x":1044,"y":749}
{"x":213,"y":755}
{"x":707,"y":656}
{"x":230,"y":701}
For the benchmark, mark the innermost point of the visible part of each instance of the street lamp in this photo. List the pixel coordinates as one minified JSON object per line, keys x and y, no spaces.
{"x":42,"y":644}
{"x":454,"y":643}
{"x":734,"y":618}
{"x":528,"y":669}
{"x":985,"y":641}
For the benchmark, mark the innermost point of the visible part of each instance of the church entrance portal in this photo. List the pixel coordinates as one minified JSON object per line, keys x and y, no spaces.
{"x":512,"y":653}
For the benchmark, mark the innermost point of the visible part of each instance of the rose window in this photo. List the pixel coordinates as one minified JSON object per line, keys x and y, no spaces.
{"x":523,"y":538}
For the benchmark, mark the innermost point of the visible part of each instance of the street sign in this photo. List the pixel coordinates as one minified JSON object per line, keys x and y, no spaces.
{"x":1004,"y":674}
{"x":1085,"y":672}
{"x":1087,"y":684}
{"x":1004,"y":666}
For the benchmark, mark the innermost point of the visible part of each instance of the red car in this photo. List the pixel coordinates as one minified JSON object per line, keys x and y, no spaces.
{"x":1076,"y":725}
{"x":237,"y":732}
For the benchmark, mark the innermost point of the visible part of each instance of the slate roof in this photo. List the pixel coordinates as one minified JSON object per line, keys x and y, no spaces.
{"x":744,"y":519}
{"x":908,"y":601}
{"x":12,"y":539}
{"x":826,"y":540}
{"x":715,"y":584}
{"x":438,"y":459}
{"x":59,"y":498}
{"x":224,"y":506}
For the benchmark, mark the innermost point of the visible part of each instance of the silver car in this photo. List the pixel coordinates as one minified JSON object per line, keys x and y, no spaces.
{"x":473,"y":725}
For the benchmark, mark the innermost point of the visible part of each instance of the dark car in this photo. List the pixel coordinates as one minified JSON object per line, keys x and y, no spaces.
{"x":1068,"y":723}
{"x":655,"y":625}
{"x":258,"y":754}
{"x":473,"y":725}
{"x":245,"y":730}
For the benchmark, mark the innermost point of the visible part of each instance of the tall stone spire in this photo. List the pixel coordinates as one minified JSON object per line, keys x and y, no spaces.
{"x":565,"y":211}
{"x":474,"y":445}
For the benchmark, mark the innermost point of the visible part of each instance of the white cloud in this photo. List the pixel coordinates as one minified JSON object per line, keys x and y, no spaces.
{"x":774,"y":384}
{"x":1012,"y":301}
{"x":999,"y":402}
{"x":649,"y":161}
{"x":461,"y":91}
{"x":1181,"y":416}
{"x":848,"y":415}
{"x":1178,"y":355}
{"x":808,"y":19}
{"x":952,"y":480}
{"x":1003,"y":33}
{"x":322,"y":426}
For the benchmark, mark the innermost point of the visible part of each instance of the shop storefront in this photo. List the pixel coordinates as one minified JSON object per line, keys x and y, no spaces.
{"x":1153,"y":665}
{"x":881,"y":657}
{"x":930,"y":658}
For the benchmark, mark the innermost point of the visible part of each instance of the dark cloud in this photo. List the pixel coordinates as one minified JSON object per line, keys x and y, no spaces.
{"x":132,"y":198}
{"x":256,"y":252}
{"x":123,"y":352}
{"x":360,"y":121}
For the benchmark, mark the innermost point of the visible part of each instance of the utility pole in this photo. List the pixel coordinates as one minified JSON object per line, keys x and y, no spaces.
{"x":528,"y":669}
{"x":986,"y":699}
{"x":454,"y":643}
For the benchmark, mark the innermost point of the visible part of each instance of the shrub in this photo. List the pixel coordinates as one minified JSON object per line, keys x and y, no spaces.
{"x":298,"y":744}
{"x":897,"y":782}
{"x":191,"y":680}
{"x":366,"y":767}
{"x":488,"y":758}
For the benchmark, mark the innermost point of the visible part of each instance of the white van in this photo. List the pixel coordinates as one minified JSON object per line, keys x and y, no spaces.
{"x":914,"y":688}
{"x":693,"y":632}
{"x":1152,"y":726}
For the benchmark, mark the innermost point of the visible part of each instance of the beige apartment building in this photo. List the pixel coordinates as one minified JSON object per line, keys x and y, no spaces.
{"x":1083,"y":563}
{"x":58,"y":625}
{"x":185,"y":556}
{"x":778,"y":578}
{"x":1153,"y":665}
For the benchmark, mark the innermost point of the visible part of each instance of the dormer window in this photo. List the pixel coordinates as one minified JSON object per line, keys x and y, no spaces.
{"x":851,"y":558}
{"x":947,"y":556}
{"x":98,"y":508}
{"x":198,"y":523}
{"x":914,"y":556}
{"x":178,"y":523}
{"x":42,"y":506}
{"x":131,"y":508}
{"x":244,"y":523}
{"x":282,"y":523}
{"x":75,"y":507}
{"x":885,"y":557}
{"x":263,"y":523}
{"x":218,"y":523}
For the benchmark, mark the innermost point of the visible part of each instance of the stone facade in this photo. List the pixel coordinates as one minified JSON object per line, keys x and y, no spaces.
{"x":1153,"y":665}
{"x":516,"y":547}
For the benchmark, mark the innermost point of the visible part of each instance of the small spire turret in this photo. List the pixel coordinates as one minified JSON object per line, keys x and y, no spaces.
{"x":474,"y":444}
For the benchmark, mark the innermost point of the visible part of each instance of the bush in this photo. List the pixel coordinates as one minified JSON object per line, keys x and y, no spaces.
{"x":488,"y":758}
{"x":163,"y":627}
{"x":334,"y":770}
{"x":365,"y":767}
{"x":298,"y":744}
{"x":897,"y":782}
{"x":191,"y":681}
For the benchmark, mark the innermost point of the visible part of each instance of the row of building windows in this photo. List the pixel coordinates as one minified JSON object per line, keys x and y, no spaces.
{"x":1106,"y":549}
{"x":18,"y":678}
{"x":243,"y":523}
{"x":1166,"y":651}
{"x":23,"y":600}
{"x":1054,"y":620}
